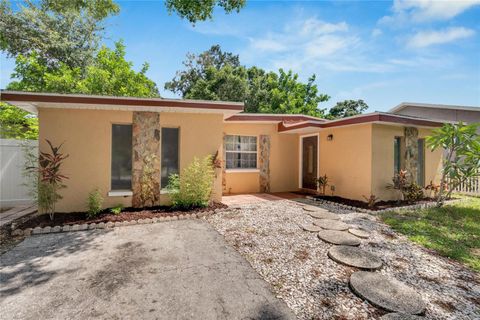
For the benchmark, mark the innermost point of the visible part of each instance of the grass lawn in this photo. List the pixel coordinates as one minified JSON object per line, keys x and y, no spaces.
{"x":453,"y":230}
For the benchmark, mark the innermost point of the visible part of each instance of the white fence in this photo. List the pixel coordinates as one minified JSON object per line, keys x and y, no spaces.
{"x":470,"y":186}
{"x":12,"y":160}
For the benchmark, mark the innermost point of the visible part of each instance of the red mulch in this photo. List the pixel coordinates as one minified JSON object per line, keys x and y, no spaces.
{"x":378,"y":206}
{"x":127,"y":214}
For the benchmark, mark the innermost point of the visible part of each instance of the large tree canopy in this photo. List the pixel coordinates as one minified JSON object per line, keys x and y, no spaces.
{"x":16,"y":123}
{"x":347,"y":108}
{"x":56,"y":31}
{"x":108,"y":74}
{"x":218,"y":75}
{"x":202,"y":10}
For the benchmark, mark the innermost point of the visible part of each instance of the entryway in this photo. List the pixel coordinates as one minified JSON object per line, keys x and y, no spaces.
{"x":309,"y":162}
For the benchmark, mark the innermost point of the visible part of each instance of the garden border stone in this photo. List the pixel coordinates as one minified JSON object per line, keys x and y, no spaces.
{"x":375,"y":212}
{"x":102,"y":225}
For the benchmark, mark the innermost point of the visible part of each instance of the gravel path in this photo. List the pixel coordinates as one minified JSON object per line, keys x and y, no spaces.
{"x":296,"y":264}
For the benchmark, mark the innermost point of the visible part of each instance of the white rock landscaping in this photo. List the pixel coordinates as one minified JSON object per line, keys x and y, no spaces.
{"x":296,"y":264}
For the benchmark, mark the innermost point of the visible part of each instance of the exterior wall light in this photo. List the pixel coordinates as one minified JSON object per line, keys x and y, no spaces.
{"x":330,"y":137}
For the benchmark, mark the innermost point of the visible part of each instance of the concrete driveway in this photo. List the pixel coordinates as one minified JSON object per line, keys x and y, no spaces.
{"x":172,"y":270}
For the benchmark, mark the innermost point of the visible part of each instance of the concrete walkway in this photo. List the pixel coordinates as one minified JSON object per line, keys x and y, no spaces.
{"x":171,"y":270}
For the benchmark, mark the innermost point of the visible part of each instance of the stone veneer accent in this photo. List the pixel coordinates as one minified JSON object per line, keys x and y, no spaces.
{"x":224,"y":167}
{"x":264,"y":163}
{"x":145,"y":141}
{"x":411,"y":152}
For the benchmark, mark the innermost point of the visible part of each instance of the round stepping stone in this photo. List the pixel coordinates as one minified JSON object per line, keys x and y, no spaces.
{"x":355,"y":257}
{"x":310,"y":227}
{"x":338,"y":237}
{"x":400,"y":316}
{"x":359,"y":233}
{"x":311,"y":208}
{"x":386,"y":293}
{"x":331,"y":224}
{"x":323,"y":215}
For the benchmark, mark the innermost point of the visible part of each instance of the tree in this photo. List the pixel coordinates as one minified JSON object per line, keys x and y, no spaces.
{"x":218,"y":75}
{"x":56,"y":31}
{"x":461,"y":143}
{"x":16,"y":123}
{"x":197,"y":67}
{"x":195,"y":11}
{"x":108,"y":74}
{"x":347,"y":108}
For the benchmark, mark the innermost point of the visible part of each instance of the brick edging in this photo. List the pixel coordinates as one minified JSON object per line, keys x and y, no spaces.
{"x":109,"y":225}
{"x":403,"y":208}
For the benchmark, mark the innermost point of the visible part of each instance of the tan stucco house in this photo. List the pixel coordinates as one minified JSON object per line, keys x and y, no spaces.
{"x":107,"y":138}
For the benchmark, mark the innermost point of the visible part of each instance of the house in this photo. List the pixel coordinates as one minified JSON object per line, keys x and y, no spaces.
{"x":467,"y":114}
{"x":108,"y":138}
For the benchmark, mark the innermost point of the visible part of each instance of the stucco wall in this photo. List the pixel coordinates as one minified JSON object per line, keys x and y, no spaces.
{"x":283,"y":160}
{"x":383,"y":161}
{"x":200,"y":135}
{"x":347,"y":160}
{"x":87,"y":136}
{"x":87,"y":139}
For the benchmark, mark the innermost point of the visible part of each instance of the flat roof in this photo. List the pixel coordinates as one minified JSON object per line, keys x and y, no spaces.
{"x":32,"y":100}
{"x":269,"y":117}
{"x":404,"y":105}
{"x":375,"y":117}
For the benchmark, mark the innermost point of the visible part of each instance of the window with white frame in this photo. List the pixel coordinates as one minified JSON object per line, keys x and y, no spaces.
{"x":241,"y":152}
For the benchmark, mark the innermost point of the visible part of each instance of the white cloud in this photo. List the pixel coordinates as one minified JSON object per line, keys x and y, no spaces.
{"x":427,"y":38}
{"x":376,"y":32}
{"x":314,"y":26}
{"x":405,"y":11}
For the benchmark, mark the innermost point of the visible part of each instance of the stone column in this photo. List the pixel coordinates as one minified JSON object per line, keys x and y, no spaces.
{"x":264,"y":163}
{"x":145,"y":143}
{"x":411,"y":152}
{"x":224,"y":167}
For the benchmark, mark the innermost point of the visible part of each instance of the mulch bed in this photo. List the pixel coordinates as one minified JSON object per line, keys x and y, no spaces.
{"x":127,"y":214}
{"x":381,"y":205}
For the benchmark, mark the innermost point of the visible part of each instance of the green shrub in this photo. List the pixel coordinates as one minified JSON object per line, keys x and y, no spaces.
{"x":193,"y":187}
{"x":94,"y":203}
{"x":413,"y":192}
{"x":117,"y":209}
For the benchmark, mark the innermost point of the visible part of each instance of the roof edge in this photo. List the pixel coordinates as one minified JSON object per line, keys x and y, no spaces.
{"x":403,"y":105}
{"x":36,"y":97}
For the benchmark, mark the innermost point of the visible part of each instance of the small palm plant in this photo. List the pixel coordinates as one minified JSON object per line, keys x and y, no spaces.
{"x":323,"y":183}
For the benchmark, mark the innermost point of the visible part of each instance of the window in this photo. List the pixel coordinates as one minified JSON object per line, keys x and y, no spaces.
{"x":421,"y":163}
{"x":397,"y":155}
{"x":121,"y":170}
{"x":170,"y":143}
{"x":241,"y":152}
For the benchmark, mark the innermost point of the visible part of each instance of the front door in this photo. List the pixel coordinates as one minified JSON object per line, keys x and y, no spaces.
{"x":309,"y":162}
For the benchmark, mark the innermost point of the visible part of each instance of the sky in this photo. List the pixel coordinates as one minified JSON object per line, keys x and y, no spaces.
{"x":383,"y":52}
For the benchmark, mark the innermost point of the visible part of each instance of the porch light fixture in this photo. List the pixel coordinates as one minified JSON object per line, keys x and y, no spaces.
{"x":330,"y":137}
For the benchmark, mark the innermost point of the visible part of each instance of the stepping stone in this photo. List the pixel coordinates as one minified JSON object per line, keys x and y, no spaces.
{"x":310,"y":227}
{"x":323,"y":215}
{"x":359,"y":233}
{"x":386,"y":293}
{"x":310,"y":208}
{"x":355,"y":257}
{"x":400,"y":316}
{"x":331,"y":224}
{"x":338,"y":237}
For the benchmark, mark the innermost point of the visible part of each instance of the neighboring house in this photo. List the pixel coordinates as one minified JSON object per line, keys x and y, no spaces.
{"x":467,"y":114}
{"x":108,"y":138}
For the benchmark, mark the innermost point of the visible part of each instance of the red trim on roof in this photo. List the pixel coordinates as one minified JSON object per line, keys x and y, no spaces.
{"x":276,"y":117}
{"x":145,"y":102}
{"x":361,"y":119}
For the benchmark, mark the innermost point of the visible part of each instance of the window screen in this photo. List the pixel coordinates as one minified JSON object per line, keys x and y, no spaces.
{"x":241,"y":152}
{"x":396,"y":155}
{"x":121,"y":175}
{"x":170,"y":143}
{"x":421,"y":163}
